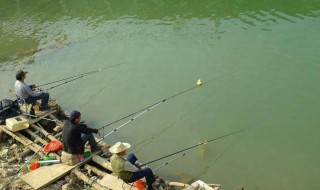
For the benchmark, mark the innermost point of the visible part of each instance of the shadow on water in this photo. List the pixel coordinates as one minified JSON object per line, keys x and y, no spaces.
{"x":24,"y":24}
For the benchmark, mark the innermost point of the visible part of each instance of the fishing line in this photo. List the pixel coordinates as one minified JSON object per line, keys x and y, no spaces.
{"x":160,"y":102}
{"x":194,"y":146}
{"x":87,"y":73}
{"x":66,"y":82}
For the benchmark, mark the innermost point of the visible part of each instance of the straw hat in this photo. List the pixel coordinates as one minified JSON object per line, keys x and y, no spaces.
{"x":119,"y":147}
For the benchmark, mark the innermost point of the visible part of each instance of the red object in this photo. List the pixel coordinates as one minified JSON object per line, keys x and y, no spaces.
{"x":139,"y":185}
{"x":52,"y":146}
{"x":34,"y":165}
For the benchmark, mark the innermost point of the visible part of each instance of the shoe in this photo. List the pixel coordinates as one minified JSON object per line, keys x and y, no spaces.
{"x":96,"y":148}
{"x":156,"y":184}
{"x":44,"y":109}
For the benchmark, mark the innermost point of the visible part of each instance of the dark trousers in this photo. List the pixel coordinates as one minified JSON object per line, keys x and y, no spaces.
{"x":89,"y":138}
{"x":144,"y":173}
{"x":44,"y":97}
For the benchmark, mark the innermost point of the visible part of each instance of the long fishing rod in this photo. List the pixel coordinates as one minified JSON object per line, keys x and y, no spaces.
{"x":87,"y":73}
{"x":148,"y":108}
{"x":66,"y":82}
{"x":127,"y":122}
{"x":194,"y":146}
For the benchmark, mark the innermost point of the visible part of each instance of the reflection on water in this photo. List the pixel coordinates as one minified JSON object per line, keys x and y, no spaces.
{"x":27,"y":26}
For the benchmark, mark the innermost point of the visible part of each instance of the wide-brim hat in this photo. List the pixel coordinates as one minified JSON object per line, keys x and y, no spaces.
{"x":119,"y":147}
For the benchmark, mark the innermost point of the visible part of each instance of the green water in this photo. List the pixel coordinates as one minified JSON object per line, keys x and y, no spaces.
{"x":267,"y":51}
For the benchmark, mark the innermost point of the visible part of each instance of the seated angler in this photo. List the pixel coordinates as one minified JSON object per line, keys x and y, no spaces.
{"x":126,"y":169}
{"x":25,"y":92}
{"x":74,"y":137}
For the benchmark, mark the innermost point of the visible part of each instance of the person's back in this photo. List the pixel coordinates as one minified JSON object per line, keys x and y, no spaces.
{"x":71,"y":138}
{"x":126,"y":169}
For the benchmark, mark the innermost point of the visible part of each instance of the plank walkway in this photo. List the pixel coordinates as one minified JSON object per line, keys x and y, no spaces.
{"x":45,"y":175}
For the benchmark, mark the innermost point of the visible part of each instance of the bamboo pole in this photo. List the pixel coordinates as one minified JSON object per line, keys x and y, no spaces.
{"x":57,"y":136}
{"x":178,"y":184}
{"x":36,"y":137}
{"x":87,"y":180}
{"x":102,"y":162}
{"x":44,"y":132}
{"x":19,"y":138}
{"x":33,"y":144}
{"x":60,"y":123}
{"x":95,"y":170}
{"x":39,"y":117}
{"x":20,"y":155}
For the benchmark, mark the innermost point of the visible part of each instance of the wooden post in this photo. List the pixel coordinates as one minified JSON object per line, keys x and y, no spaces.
{"x":95,"y":170}
{"x":44,"y":132}
{"x":87,"y":180}
{"x":102,"y":162}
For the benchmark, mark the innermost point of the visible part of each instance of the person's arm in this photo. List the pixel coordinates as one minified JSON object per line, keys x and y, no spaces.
{"x":29,"y":91}
{"x":86,"y":130}
{"x":130,"y":167}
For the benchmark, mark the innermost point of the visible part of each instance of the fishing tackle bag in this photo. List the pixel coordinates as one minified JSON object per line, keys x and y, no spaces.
{"x":8,"y":109}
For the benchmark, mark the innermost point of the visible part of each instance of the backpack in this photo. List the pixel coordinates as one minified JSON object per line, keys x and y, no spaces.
{"x":8,"y":109}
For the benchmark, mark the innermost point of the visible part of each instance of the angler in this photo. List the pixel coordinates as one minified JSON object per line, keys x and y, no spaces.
{"x":25,"y":92}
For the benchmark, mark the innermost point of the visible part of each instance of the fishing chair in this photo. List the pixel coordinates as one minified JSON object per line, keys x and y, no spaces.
{"x":22,"y":102}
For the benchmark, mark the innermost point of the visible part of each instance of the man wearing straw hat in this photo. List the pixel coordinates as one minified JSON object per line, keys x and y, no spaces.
{"x":126,"y":169}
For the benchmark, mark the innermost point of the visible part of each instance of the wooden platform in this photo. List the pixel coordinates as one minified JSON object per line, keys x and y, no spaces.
{"x":45,"y":175}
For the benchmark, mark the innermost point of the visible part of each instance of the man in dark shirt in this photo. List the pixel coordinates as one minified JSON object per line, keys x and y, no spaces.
{"x":76,"y":135}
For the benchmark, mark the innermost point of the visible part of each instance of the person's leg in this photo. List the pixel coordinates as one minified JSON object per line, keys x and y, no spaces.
{"x":44,"y":100}
{"x":146,"y":173}
{"x":132,"y":158}
{"x":44,"y":97}
{"x":90,"y":138}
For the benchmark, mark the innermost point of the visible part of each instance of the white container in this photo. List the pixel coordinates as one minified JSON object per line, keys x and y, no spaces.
{"x":17,"y":123}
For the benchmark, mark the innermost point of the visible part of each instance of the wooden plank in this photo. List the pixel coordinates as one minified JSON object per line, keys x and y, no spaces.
{"x":45,"y":175}
{"x":42,"y":114}
{"x":113,"y":182}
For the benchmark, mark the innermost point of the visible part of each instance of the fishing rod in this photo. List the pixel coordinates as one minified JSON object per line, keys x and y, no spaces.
{"x":143,"y":111}
{"x":39,"y":117}
{"x":87,"y":73}
{"x":193,"y":147}
{"x":148,"y":108}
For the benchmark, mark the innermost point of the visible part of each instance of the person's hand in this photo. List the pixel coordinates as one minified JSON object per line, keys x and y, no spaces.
{"x":33,"y":85}
{"x":98,"y":133}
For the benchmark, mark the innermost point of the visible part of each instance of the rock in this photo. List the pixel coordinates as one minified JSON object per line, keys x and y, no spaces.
{"x":10,"y":141}
{"x":13,"y":147}
{"x":4,"y":152}
{"x":66,"y":186}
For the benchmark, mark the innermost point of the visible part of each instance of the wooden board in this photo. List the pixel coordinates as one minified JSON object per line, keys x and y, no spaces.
{"x":45,"y":175}
{"x":113,"y":182}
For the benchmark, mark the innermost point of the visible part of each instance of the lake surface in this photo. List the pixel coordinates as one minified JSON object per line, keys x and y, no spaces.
{"x":261,"y":58}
